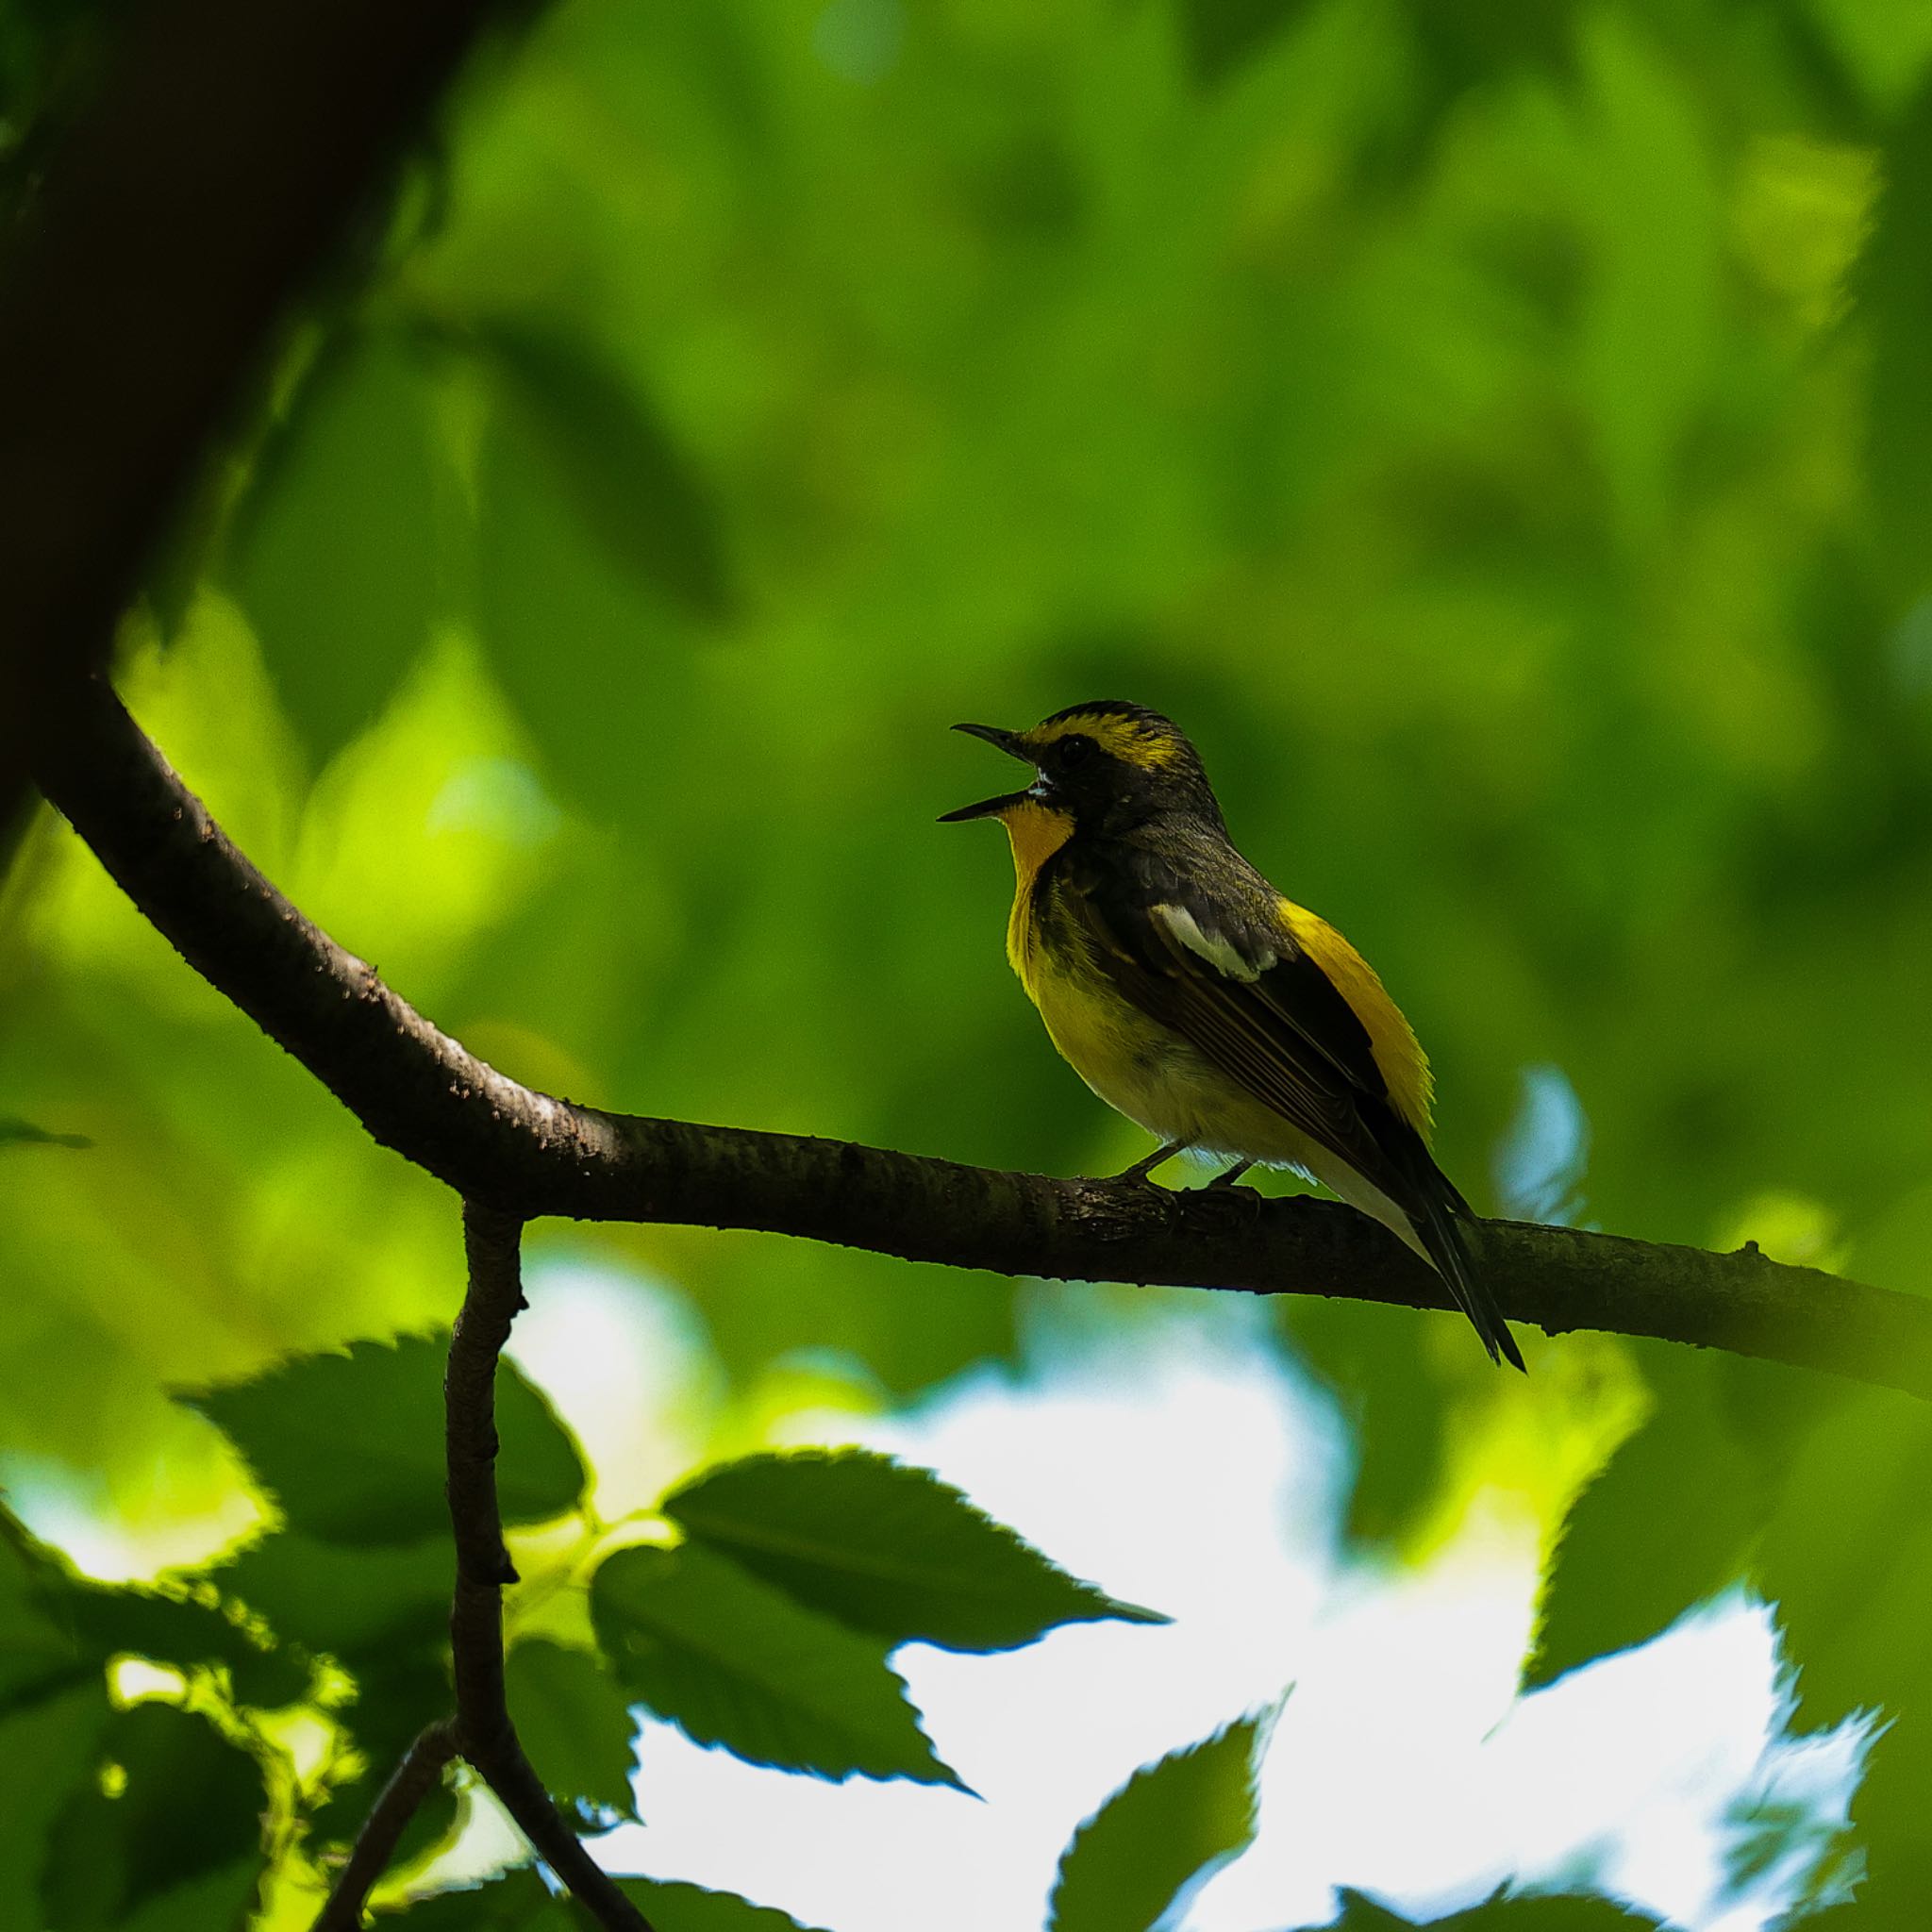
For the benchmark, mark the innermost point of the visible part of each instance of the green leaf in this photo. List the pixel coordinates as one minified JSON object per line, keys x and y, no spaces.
{"x":15,"y":1132}
{"x":735,"y":1662}
{"x":184,"y":1803}
{"x":522,"y":1903}
{"x":630,"y":485}
{"x":1896,"y":285}
{"x":1847,"y":1561}
{"x":676,"y":1907}
{"x":331,"y":1598}
{"x":887,"y":1549}
{"x":1516,"y":1913}
{"x":1223,"y":35}
{"x":575,"y":1726}
{"x":351,"y":1446}
{"x":1685,"y":1463}
{"x":399,"y":1691}
{"x":1379,"y":1364}
{"x":335,"y":559}
{"x":48,"y":1752}
{"x":1167,"y":1828}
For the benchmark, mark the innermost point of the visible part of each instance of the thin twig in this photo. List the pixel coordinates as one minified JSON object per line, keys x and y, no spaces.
{"x":423,"y":1093}
{"x":412,"y":1781}
{"x":485,"y":1734}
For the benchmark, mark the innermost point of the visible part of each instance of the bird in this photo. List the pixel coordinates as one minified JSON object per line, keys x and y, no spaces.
{"x":1204,"y":1004}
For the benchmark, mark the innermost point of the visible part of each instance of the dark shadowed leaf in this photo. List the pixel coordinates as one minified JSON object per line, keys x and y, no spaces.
{"x":1896,"y":287}
{"x":735,"y":1662}
{"x":19,"y":1133}
{"x":1542,"y":1913}
{"x":1169,"y":1827}
{"x":400,"y":1690}
{"x":335,"y":556}
{"x":48,"y":1760}
{"x":617,"y":464}
{"x":1685,"y":1463}
{"x":1378,"y":1364}
{"x":184,"y":1803}
{"x":1222,"y":35}
{"x":330,"y":1597}
{"x":887,"y":1549}
{"x":351,"y":1446}
{"x":1847,"y":1559}
{"x":522,"y":1903}
{"x":575,"y":1726}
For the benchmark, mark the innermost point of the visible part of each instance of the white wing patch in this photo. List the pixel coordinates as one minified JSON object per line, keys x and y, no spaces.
{"x":1219,"y":951}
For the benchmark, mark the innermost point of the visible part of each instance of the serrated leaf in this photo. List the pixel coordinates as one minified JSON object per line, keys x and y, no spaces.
{"x":522,"y":1903}
{"x":675,"y":1908}
{"x":187,"y":1802}
{"x":630,"y":485}
{"x":887,"y":1549}
{"x":350,"y":1445}
{"x":1506,"y":1912}
{"x":1166,"y":1830}
{"x":733,"y":1661}
{"x":575,"y":1726}
{"x":335,"y":552}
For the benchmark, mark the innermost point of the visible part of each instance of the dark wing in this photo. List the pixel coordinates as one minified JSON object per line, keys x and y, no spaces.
{"x":1229,"y":979}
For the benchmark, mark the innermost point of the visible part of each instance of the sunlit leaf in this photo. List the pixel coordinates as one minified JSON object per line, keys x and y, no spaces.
{"x":575,"y":1724}
{"x":1170,"y":1827}
{"x":351,"y":1446}
{"x":887,"y":1549}
{"x":733,"y":1661}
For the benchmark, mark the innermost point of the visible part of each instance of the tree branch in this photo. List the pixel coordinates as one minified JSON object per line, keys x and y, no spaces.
{"x":485,"y":1734}
{"x":226,"y":150}
{"x":375,"y":1845}
{"x":526,"y":1154}
{"x":481,"y":1731}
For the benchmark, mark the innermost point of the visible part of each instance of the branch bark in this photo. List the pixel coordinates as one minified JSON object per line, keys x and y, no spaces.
{"x":484,"y":1733}
{"x":481,"y":1731}
{"x":375,"y":1845}
{"x":526,"y":1154}
{"x":228,"y":148}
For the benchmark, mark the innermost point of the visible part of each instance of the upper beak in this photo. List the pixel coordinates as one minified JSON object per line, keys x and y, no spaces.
{"x":1009,"y":742}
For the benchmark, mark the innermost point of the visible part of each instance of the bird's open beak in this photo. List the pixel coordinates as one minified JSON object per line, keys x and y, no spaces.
{"x":1009,"y":742}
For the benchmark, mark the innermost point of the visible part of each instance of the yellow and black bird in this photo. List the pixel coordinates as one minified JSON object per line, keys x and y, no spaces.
{"x":1196,"y":999}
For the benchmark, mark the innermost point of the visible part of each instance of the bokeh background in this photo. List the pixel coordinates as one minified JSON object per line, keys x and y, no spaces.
{"x":1500,"y":434}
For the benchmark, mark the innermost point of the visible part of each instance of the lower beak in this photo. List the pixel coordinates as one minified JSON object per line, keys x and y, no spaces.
{"x":990,"y":808}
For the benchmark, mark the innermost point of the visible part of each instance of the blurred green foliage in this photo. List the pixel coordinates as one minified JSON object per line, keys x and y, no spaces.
{"x":1502,"y":434}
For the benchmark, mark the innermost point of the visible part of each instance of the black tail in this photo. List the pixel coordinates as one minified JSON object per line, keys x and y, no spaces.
{"x":1438,"y":1227}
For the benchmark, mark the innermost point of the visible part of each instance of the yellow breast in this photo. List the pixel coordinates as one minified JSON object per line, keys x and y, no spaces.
{"x":1037,"y":832}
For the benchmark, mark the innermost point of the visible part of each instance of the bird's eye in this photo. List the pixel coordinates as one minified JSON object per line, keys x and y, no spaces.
{"x":1075,"y":750}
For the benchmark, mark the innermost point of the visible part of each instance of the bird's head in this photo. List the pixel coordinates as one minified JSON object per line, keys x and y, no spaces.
{"x":1104,"y":767}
